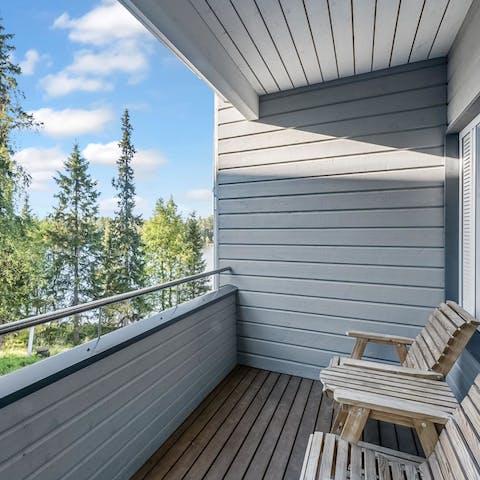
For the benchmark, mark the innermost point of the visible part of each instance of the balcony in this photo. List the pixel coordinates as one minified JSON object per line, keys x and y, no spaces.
{"x":342,"y":201}
{"x":101,"y":410}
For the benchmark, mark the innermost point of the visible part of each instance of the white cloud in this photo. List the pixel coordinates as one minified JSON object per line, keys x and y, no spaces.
{"x":42,"y":164}
{"x":144,"y":162}
{"x":72,"y":122}
{"x":199,"y":194}
{"x":30,"y":61}
{"x":104,"y":24}
{"x":108,"y":205}
{"x":117,"y":43}
{"x":63,"y":83}
{"x":127,"y":59}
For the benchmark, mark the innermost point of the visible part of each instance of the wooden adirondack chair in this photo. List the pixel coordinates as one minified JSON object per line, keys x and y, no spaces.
{"x":431,"y":354}
{"x":456,"y":455}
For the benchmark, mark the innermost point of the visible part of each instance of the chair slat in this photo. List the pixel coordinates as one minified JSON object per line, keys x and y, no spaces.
{"x":307,"y":458}
{"x":464,"y":456}
{"x":427,"y":474}
{"x":462,"y":313}
{"x":370,"y":465}
{"x":441,"y":460}
{"x":314,"y":456}
{"x":341,"y":465}
{"x":472,"y":413}
{"x":433,"y":340}
{"x":327,"y":457}
{"x":467,"y":429}
{"x":397,"y":471}
{"x":456,"y":455}
{"x":411,"y":472}
{"x":355,"y":463}
{"x":442,"y":323}
{"x":419,"y":360}
{"x":383,"y":468}
{"x":450,"y":457}
{"x":452,"y":315}
{"x":426,"y":352}
{"x":434,"y":465}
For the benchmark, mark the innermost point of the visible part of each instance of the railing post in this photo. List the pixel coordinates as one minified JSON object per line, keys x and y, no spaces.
{"x":31,"y":334}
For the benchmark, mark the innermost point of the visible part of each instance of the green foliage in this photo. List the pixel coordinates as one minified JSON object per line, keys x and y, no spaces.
{"x":195,"y":262}
{"x":173,"y":250}
{"x":123,"y":266}
{"x":20,"y":257}
{"x":164,"y":238}
{"x":73,"y":237}
{"x":206,"y":228}
{"x":72,"y":256}
{"x":12,"y":117}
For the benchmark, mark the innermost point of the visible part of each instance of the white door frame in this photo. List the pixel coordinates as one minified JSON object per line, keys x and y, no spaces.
{"x":469,"y":295}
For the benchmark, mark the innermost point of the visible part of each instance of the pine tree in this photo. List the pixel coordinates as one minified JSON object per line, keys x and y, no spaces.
{"x":126,"y":240}
{"x":109,"y":263}
{"x":74,"y":237}
{"x":195,"y":263}
{"x":12,"y":117}
{"x":16,"y":274}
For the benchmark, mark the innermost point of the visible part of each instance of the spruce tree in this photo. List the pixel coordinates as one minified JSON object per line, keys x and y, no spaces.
{"x":74,"y":238}
{"x":195,"y":263}
{"x":16,"y":274}
{"x":12,"y":117}
{"x":109,"y":264}
{"x":126,"y":228}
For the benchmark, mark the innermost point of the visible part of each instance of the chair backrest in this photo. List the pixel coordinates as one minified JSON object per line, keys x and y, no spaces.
{"x":442,"y":340}
{"x":457,"y":453}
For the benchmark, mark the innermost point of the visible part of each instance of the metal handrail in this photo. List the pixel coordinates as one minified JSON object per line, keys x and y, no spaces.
{"x":84,"y":307}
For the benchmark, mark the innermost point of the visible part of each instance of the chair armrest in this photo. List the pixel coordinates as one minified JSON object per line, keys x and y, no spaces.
{"x":389,"y":405}
{"x":381,"y":338}
{"x":362,"y":339}
{"x":387,"y":368}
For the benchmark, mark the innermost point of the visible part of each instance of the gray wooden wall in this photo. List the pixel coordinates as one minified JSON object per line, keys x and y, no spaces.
{"x":464,"y":72}
{"x":330,"y":212}
{"x":105,"y":420}
{"x":463,"y":106}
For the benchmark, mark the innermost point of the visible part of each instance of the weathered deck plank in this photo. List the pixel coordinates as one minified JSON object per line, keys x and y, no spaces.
{"x":255,"y":425}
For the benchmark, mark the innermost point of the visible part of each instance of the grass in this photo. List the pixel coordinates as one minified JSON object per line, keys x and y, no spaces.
{"x":11,"y":362}
{"x":12,"y":359}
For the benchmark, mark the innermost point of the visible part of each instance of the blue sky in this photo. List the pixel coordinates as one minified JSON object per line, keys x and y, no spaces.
{"x":83,"y":63}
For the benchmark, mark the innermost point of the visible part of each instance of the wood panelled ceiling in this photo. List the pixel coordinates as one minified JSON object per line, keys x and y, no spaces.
{"x":248,"y":48}
{"x":284,"y":44}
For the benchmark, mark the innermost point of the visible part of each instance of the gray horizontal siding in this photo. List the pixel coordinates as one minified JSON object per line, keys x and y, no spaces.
{"x":330,"y":210}
{"x":386,"y":256}
{"x":105,"y":420}
{"x":463,"y":107}
{"x":464,"y":72}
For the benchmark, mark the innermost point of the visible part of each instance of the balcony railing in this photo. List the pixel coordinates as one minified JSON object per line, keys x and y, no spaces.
{"x":101,"y":409}
{"x":102,"y":302}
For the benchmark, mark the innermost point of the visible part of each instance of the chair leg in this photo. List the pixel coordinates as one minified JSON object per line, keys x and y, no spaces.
{"x":354,"y":424}
{"x":359,"y":348}
{"x":401,"y":352}
{"x":339,"y":420}
{"x":427,"y":433}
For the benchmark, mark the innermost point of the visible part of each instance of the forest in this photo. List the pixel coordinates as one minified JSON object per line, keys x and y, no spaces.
{"x":73,"y":255}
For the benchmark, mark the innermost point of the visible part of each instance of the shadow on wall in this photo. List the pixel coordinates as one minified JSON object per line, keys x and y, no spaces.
{"x":331,"y":212}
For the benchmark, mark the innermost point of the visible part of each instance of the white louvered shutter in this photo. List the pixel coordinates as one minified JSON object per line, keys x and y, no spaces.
{"x":468,"y":279}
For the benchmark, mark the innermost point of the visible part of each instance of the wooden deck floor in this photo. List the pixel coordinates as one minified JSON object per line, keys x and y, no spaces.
{"x":255,"y":425}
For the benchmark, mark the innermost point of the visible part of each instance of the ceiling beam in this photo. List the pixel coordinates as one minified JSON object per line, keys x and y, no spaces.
{"x":178,"y":25}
